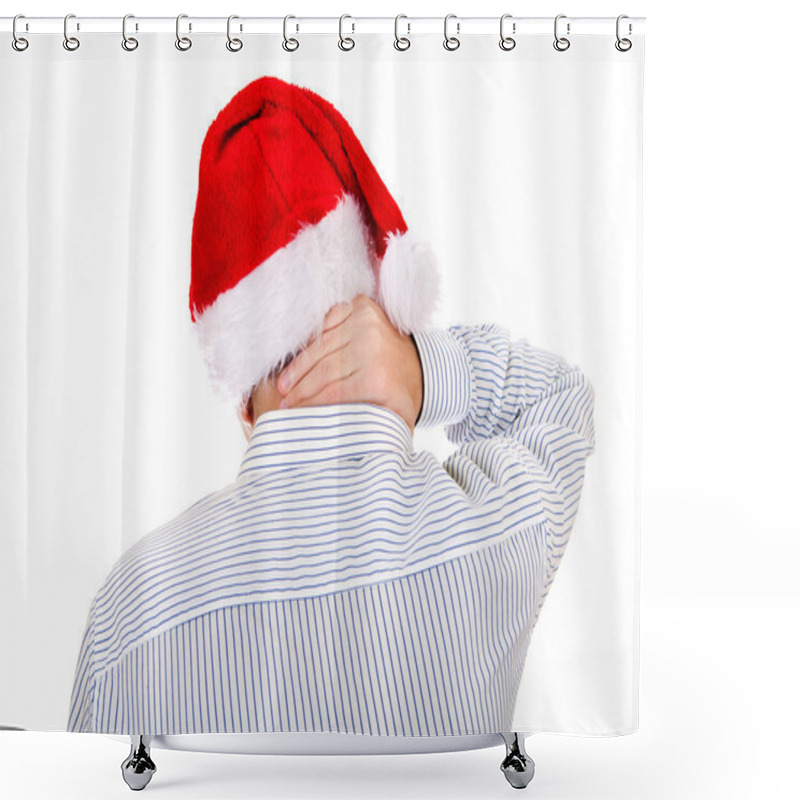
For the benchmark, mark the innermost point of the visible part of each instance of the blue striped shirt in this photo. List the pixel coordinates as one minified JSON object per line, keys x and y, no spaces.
{"x":346,"y":582}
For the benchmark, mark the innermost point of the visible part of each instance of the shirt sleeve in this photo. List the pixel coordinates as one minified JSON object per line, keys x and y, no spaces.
{"x":522,"y":417}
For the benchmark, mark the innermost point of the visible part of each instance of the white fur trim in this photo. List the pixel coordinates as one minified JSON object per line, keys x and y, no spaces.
{"x":271,"y":314}
{"x":409,"y":283}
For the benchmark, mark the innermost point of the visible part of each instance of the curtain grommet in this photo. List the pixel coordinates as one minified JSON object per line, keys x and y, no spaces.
{"x":289,"y":44}
{"x":129,"y":43}
{"x":19,"y":43}
{"x":451,"y":43}
{"x":623,"y":44}
{"x":507,"y":42}
{"x":233,"y":44}
{"x":346,"y":43}
{"x":182,"y":43}
{"x":401,"y":43}
{"x":70,"y":43}
{"x":561,"y":43}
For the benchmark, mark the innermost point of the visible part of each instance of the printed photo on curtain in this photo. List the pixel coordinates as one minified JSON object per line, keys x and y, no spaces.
{"x":320,"y":375}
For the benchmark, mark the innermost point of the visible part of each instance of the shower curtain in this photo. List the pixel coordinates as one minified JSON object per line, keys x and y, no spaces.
{"x":181,"y":218}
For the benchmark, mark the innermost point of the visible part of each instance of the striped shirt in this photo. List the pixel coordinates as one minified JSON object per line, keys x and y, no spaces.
{"x":346,"y":582}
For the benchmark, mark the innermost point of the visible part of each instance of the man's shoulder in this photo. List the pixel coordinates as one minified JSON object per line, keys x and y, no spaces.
{"x":211,"y":507}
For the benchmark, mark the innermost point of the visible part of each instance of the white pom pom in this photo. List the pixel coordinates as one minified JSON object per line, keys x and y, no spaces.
{"x":409,"y":283}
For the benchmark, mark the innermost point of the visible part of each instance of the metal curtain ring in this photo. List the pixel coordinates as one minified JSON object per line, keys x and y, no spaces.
{"x":506,"y":42}
{"x":234,"y":45}
{"x":401,"y":42}
{"x":345,"y":43}
{"x":181,"y":42}
{"x":70,"y":42}
{"x":290,"y":45}
{"x":561,"y":43}
{"x":18,"y":42}
{"x":128,"y":42}
{"x":623,"y":45}
{"x":451,"y":42}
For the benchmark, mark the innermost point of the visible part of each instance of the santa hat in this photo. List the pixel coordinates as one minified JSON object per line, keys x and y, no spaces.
{"x":292,"y":218}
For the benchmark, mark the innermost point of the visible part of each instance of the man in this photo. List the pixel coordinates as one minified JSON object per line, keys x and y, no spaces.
{"x":344,"y":582}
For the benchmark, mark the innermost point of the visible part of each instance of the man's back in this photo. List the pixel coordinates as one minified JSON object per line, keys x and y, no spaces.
{"x":345,"y":582}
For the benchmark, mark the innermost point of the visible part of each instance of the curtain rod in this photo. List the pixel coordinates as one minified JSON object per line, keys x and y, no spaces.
{"x":326,"y":25}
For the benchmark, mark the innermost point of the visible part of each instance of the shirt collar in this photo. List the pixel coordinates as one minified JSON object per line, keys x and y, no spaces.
{"x":289,"y":437}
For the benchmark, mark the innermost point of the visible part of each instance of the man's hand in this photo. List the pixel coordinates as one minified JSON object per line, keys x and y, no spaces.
{"x":360,"y":357}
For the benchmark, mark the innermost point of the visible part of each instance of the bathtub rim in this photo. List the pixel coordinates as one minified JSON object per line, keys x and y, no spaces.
{"x":318,"y":743}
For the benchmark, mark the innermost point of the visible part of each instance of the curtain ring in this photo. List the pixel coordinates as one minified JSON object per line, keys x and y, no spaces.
{"x":345,"y":43}
{"x":561,"y":43}
{"x":450,"y":42}
{"x":70,"y":42}
{"x":234,"y":45}
{"x":401,"y":43}
{"x":18,"y":42}
{"x":128,"y":42}
{"x":183,"y":43}
{"x":506,"y":42}
{"x":623,"y":45}
{"x":290,"y":45}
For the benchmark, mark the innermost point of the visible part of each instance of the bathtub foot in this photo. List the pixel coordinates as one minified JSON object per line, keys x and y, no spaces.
{"x":138,"y":767}
{"x":517,"y":766}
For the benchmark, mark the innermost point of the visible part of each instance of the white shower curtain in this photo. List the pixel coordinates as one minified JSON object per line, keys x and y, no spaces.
{"x":520,"y":168}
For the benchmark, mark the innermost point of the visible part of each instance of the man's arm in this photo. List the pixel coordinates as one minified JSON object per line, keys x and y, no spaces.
{"x":478,"y":382}
{"x":522,"y":417}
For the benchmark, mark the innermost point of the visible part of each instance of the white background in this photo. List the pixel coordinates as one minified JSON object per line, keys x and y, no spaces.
{"x":720,"y":548}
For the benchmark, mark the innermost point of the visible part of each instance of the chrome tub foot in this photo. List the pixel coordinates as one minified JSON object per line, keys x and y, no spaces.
{"x":517,"y":766}
{"x":138,"y":767}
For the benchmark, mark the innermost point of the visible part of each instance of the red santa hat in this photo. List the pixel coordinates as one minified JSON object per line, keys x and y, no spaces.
{"x":292,"y":218}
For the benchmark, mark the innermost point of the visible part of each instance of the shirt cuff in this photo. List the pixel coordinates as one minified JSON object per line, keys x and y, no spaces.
{"x":446,"y":381}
